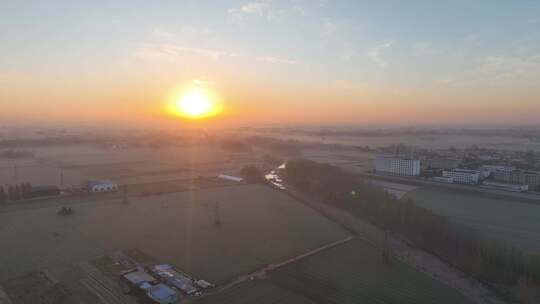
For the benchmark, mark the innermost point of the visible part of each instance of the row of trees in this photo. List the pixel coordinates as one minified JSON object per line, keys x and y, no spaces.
{"x":507,"y":269}
{"x":15,"y":192}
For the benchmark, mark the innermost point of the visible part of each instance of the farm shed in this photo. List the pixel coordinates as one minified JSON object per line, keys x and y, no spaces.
{"x":101,"y":186}
{"x":163,"y":294}
{"x":172,"y":277}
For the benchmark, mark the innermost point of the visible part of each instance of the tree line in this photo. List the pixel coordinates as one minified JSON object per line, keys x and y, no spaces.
{"x":510,"y":271}
{"x":15,"y":192}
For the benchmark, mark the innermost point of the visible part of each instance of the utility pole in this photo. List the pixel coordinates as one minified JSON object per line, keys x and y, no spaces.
{"x":62,"y":177}
{"x":125,"y":200}
{"x":15,"y":173}
{"x":217,"y":216}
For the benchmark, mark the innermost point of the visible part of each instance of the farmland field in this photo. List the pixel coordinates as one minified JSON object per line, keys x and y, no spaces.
{"x":257,"y":226}
{"x":71,"y":165}
{"x":351,"y":273}
{"x":511,"y":221}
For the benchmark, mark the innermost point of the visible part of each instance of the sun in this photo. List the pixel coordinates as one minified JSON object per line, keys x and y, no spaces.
{"x":195,"y":104}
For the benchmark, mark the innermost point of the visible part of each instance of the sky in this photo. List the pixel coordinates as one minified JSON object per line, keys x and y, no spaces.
{"x":272,"y":61}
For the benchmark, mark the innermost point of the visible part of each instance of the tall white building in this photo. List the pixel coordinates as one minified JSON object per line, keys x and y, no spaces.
{"x":461,"y":176}
{"x":397,"y":166}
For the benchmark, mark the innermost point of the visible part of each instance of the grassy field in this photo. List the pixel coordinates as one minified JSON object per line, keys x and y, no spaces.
{"x":514,"y":222}
{"x":258,"y":226}
{"x":351,"y":273}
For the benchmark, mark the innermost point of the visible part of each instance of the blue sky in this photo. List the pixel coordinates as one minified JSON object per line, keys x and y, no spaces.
{"x":361,"y":53}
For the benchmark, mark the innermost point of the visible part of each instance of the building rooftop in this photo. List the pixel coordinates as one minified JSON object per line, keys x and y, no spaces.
{"x":139,"y":277}
{"x":94,"y":182}
{"x":466,"y":171}
{"x":162,"y":293}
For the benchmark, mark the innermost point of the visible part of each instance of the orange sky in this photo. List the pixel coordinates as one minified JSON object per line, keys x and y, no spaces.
{"x":343,"y":65}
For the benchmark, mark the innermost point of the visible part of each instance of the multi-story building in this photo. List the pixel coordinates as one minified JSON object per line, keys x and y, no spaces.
{"x":531,"y":178}
{"x":461,"y":176}
{"x":394,"y":165}
{"x":521,"y":177}
{"x":512,"y":177}
{"x":495,"y":168}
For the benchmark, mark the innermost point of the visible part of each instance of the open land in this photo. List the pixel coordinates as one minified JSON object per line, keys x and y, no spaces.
{"x":512,"y":221}
{"x":351,"y":273}
{"x":258,"y":226}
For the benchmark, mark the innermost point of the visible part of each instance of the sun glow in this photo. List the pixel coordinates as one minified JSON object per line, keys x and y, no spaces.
{"x":195,"y":104}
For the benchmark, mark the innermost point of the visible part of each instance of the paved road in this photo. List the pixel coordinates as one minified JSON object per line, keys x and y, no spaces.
{"x":532,"y":197}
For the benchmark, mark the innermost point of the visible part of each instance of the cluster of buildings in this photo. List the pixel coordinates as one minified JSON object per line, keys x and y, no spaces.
{"x":446,"y":170}
{"x":161,"y":284}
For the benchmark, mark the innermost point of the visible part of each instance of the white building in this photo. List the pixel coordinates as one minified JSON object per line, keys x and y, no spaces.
{"x":397,"y":166}
{"x":101,"y":186}
{"x":495,"y":168}
{"x":461,"y":176}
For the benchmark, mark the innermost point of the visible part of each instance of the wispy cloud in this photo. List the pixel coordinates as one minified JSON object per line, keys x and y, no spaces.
{"x":256,"y":7}
{"x":187,"y":29}
{"x":195,"y":30}
{"x":509,"y":67}
{"x":163,"y":33}
{"x":328,"y":28}
{"x":447,"y":80}
{"x":348,"y":54}
{"x":166,"y":51}
{"x":172,"y":51}
{"x":259,"y":8}
{"x":267,"y":9}
{"x":276,"y":60}
{"x":473,"y":39}
{"x":375,"y":53}
{"x":424,"y":48}
{"x":496,"y":70}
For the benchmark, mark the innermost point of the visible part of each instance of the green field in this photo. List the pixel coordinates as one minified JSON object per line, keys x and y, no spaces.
{"x":514,"y":222}
{"x":258,"y":226}
{"x":350,"y":273}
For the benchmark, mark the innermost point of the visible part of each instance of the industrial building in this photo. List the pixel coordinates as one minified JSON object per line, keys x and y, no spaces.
{"x":519,"y":177}
{"x":394,"y":165}
{"x":462,"y":176}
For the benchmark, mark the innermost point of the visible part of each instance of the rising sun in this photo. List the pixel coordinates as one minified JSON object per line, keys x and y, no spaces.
{"x":195,"y":104}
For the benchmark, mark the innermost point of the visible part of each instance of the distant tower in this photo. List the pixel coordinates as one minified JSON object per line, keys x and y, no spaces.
{"x":217,"y":215}
{"x":125,"y":199}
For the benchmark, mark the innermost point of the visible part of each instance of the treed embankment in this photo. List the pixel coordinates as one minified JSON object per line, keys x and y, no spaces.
{"x":514,"y":274}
